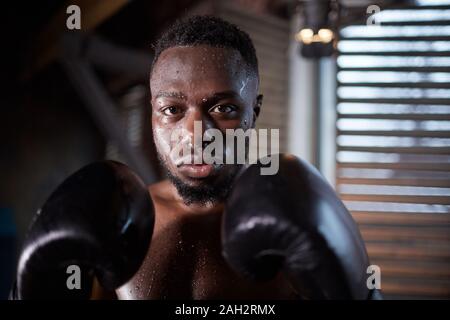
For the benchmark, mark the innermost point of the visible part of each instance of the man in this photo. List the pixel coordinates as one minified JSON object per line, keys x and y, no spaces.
{"x":213,"y":225}
{"x":204,"y":69}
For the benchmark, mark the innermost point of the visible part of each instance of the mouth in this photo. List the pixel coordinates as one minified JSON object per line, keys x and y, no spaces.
{"x":197,"y":171}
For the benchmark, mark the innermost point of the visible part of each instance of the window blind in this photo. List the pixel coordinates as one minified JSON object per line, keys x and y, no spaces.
{"x":393,"y":144}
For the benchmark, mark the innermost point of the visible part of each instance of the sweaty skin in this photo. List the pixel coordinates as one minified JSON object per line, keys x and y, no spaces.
{"x":184,"y":260}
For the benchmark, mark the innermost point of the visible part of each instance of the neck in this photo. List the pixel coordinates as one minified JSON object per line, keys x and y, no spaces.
{"x":208,"y":208}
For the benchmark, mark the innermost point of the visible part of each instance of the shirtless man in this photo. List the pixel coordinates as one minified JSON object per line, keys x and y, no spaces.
{"x":206,"y":70}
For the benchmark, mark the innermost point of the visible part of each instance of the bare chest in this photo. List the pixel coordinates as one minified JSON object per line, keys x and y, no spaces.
{"x":182,"y":265}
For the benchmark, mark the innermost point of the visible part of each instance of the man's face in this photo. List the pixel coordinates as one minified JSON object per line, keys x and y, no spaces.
{"x":206,"y":84}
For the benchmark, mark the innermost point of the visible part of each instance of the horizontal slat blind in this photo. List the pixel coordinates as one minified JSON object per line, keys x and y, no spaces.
{"x":393,"y":145}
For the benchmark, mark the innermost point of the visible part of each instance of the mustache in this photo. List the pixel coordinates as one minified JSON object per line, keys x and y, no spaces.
{"x":191,"y":155}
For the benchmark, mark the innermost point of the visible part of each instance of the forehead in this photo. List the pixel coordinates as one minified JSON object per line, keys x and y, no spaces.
{"x":199,"y":66}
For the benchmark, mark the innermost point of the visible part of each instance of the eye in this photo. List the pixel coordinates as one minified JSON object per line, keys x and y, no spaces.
{"x":171,"y":110}
{"x":226,"y":108}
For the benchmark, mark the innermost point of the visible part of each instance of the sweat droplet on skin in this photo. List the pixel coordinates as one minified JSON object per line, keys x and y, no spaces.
{"x":243,"y":85}
{"x":164,"y":141}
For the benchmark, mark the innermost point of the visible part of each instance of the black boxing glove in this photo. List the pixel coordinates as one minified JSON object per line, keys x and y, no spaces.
{"x":295,"y":223}
{"x":100,"y":219}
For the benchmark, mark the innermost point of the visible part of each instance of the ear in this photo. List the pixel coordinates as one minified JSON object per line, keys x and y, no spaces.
{"x":257,"y":107}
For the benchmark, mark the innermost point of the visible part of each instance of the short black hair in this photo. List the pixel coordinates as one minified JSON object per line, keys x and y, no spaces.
{"x":208,"y":30}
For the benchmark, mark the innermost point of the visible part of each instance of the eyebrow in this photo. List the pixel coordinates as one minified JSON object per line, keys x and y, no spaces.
{"x":223,"y":95}
{"x":214,"y":97}
{"x":170,"y":94}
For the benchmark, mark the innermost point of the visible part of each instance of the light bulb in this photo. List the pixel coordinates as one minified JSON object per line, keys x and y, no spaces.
{"x":305,"y":36}
{"x":325,"y":35}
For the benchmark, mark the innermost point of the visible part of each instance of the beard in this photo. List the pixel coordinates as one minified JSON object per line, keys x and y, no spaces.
{"x":211,"y":191}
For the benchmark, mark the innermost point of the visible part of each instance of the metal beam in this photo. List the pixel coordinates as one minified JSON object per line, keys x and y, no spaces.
{"x":110,"y":57}
{"x":101,"y":106}
{"x":93,"y":13}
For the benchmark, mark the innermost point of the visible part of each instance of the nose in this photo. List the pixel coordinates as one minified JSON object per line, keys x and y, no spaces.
{"x":193,"y":119}
{"x":197,"y":122}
